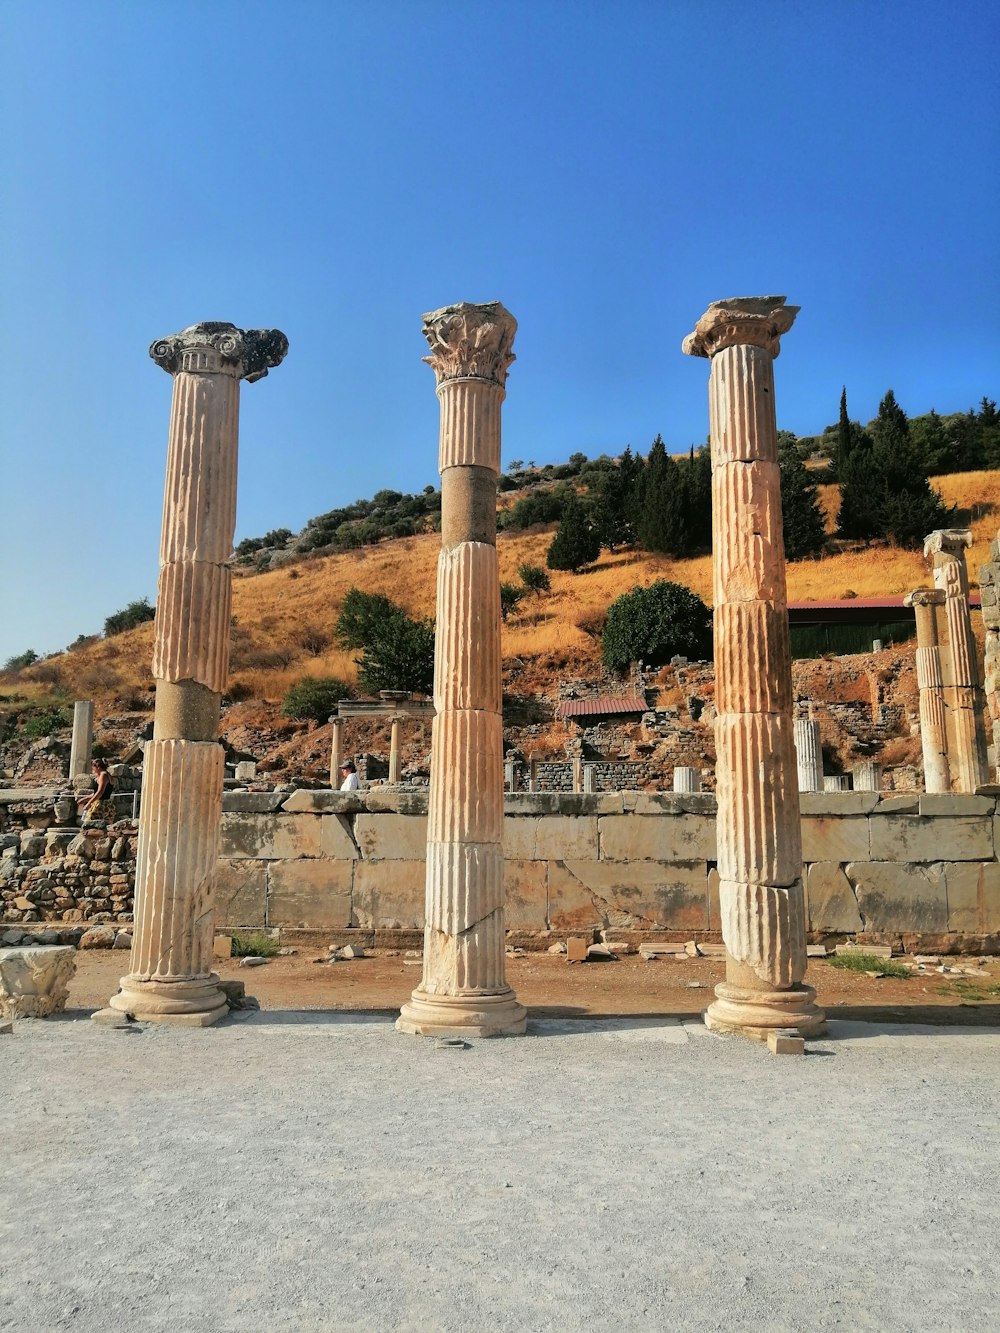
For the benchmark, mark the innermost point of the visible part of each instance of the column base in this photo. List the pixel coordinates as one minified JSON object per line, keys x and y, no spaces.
{"x":463,"y":1015}
{"x":755,"y":1013}
{"x":196,"y":1003}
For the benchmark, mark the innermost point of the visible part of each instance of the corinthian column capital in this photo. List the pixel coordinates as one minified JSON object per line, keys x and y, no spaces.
{"x":221,"y":349}
{"x":947,"y":541}
{"x":469,"y":341}
{"x":748,"y":321}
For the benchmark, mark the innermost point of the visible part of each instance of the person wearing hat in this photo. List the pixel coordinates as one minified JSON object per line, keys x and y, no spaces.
{"x":350,"y":782}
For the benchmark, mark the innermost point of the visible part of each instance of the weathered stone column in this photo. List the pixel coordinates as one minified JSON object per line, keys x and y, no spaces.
{"x":170,"y":977}
{"x":930,"y":684}
{"x":989,"y":592}
{"x":82,"y":743}
{"x":836,"y":782}
{"x":464,"y":989}
{"x":394,"y":764}
{"x":759,"y":839}
{"x":336,"y":748}
{"x":963,"y":695}
{"x":867,"y":775}
{"x":808,"y":754}
{"x":686,"y":779}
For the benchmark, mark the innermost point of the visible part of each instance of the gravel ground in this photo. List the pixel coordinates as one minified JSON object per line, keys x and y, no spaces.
{"x":313,"y":1171}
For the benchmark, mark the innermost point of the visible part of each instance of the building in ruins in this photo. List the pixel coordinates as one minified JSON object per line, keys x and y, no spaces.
{"x":762,"y":904}
{"x":170,"y":978}
{"x":464,"y":989}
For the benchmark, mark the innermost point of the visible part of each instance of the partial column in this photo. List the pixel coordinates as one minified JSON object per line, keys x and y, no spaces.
{"x":759,"y":837}
{"x":808,"y":754}
{"x":687,"y":780}
{"x":927,"y":604}
{"x":989,"y":592}
{"x":867,"y":776}
{"x":170,"y":977}
{"x":82,"y":744}
{"x":394,"y":759}
{"x":464,"y":990}
{"x":963,"y":695}
{"x":336,"y":746}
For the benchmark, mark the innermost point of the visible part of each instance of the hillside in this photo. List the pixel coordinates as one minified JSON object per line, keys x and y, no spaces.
{"x":283,"y":622}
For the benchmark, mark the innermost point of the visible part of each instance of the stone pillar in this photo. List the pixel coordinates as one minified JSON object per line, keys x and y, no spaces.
{"x":759,"y":838}
{"x":533,"y":773}
{"x":336,"y":750}
{"x":687,"y":779}
{"x":464,"y":989}
{"x":989,"y":592}
{"x":867,"y":776}
{"x":836,"y":782}
{"x":83,"y":738}
{"x":510,"y":775}
{"x":588,"y":777}
{"x":927,"y":604}
{"x":394,"y":764}
{"x":170,"y":976}
{"x":808,"y":754}
{"x":577,"y":761}
{"x":963,"y":695}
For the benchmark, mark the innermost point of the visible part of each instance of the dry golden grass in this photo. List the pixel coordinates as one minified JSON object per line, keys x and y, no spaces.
{"x":283,"y":621}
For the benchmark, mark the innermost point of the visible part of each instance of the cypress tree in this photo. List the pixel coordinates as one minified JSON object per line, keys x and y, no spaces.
{"x":575,"y":543}
{"x":801,"y":517}
{"x":661,"y":521}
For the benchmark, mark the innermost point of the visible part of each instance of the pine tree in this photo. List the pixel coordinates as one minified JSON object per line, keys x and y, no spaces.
{"x":907,"y":507}
{"x":802,"y":519}
{"x":661,"y":522}
{"x":858,"y":517}
{"x":575,"y":543}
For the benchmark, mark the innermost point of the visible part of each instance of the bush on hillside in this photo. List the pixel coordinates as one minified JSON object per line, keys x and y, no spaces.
{"x":653,"y":624}
{"x":20,"y":660}
{"x":398,"y":655}
{"x":136,"y":613}
{"x":534,"y":579}
{"x":361,"y":616}
{"x":510,"y":595}
{"x":576,"y":543}
{"x":315,"y":699}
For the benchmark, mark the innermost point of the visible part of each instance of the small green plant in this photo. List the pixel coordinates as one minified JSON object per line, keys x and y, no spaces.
{"x":971,"y":991}
{"x":510,"y":595}
{"x":136,"y":613}
{"x":535,"y":579}
{"x":255,"y":945}
{"x":315,"y":699}
{"x":46,"y":723}
{"x":869,"y":962}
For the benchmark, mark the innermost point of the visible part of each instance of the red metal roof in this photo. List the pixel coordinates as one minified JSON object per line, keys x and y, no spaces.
{"x":860,"y":603}
{"x":604,"y":703}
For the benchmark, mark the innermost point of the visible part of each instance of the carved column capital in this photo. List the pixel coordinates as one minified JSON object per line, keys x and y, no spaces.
{"x":221,"y":349}
{"x":947,"y":541}
{"x":469,"y":341}
{"x":752,"y":321}
{"x":924,"y":597}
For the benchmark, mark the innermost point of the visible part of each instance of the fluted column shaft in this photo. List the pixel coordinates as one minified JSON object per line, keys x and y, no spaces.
{"x":963,"y":696}
{"x":989,"y":583}
{"x":808,"y":754}
{"x":926,"y":603}
{"x":170,"y":977}
{"x":759,"y":839}
{"x":464,"y":987}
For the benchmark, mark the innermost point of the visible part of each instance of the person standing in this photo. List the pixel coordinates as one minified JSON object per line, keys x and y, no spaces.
{"x":350,"y":776}
{"x":99,"y":805}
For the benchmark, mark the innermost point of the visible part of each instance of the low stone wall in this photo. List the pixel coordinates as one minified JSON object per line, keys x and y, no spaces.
{"x":919,"y":870}
{"x":68,"y":875}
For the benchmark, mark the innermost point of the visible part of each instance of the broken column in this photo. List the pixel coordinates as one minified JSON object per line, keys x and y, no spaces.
{"x":867,"y":775}
{"x":394,"y":759}
{"x":927,"y":604}
{"x":759,"y":838}
{"x":82,"y":744}
{"x":808,"y":754}
{"x":686,"y":779}
{"x":464,"y":989}
{"x":963,"y":695}
{"x":170,"y":977}
{"x":989,"y":592}
{"x":336,"y":746}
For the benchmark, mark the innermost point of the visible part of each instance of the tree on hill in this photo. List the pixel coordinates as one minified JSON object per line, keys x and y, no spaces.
{"x":397,"y":652}
{"x":696,"y":492}
{"x":136,"y":613}
{"x":361,"y":613}
{"x":661,"y":514}
{"x":653,"y":624}
{"x":20,"y":660}
{"x":908,"y":507}
{"x":575,"y":544}
{"x":801,"y":516}
{"x":315,"y":699}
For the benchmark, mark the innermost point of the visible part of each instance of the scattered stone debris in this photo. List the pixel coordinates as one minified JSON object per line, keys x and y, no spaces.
{"x":651,"y":952}
{"x":557,"y":948}
{"x":222,"y":946}
{"x":252,"y":960}
{"x":692,"y":950}
{"x":451,"y":1044}
{"x":601,"y":953}
{"x":113,"y":1018}
{"x":695,"y":985}
{"x":287,"y":953}
{"x":576,"y":949}
{"x":6,"y":1029}
{"x":817,"y":951}
{"x":875,"y":950}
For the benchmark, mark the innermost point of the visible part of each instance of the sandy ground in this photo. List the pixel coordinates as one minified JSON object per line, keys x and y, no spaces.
{"x":319,"y":1171}
{"x":550,"y":986}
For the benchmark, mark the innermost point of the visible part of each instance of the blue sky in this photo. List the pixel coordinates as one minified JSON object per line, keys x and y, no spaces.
{"x":335,"y":169}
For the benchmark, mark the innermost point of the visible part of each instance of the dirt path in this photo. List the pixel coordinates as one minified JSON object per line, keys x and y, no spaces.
{"x":550,"y":985}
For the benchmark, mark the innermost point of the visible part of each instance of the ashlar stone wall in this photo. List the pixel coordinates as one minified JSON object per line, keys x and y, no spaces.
{"x":917,"y":869}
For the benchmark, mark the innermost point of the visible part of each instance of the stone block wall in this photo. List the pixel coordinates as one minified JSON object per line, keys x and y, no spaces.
{"x":71,"y":876}
{"x":918,"y":870}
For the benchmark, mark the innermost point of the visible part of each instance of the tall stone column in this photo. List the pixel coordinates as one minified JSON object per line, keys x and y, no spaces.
{"x":394,"y":764}
{"x":464,"y":989}
{"x":963,"y":695}
{"x":927,"y":603}
{"x":808,"y":754}
{"x":759,"y":838}
{"x":82,"y":743}
{"x":170,"y":978}
{"x":336,"y":747}
{"x":989,"y":592}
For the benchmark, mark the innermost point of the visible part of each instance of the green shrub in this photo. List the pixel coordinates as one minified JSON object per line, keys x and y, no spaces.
{"x":44,"y":724}
{"x":315,"y":699}
{"x":362,"y":615}
{"x":20,"y":660}
{"x":868,"y":962}
{"x":576,"y":543}
{"x":534,"y":578}
{"x":136,"y":613}
{"x":255,"y":945}
{"x":653,"y":624}
{"x":510,"y":595}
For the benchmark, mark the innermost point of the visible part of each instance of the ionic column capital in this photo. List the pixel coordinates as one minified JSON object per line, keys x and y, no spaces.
{"x":947,"y":541}
{"x":753,"y":321}
{"x":469,"y":341}
{"x":221,"y":349}
{"x":925,"y":597}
